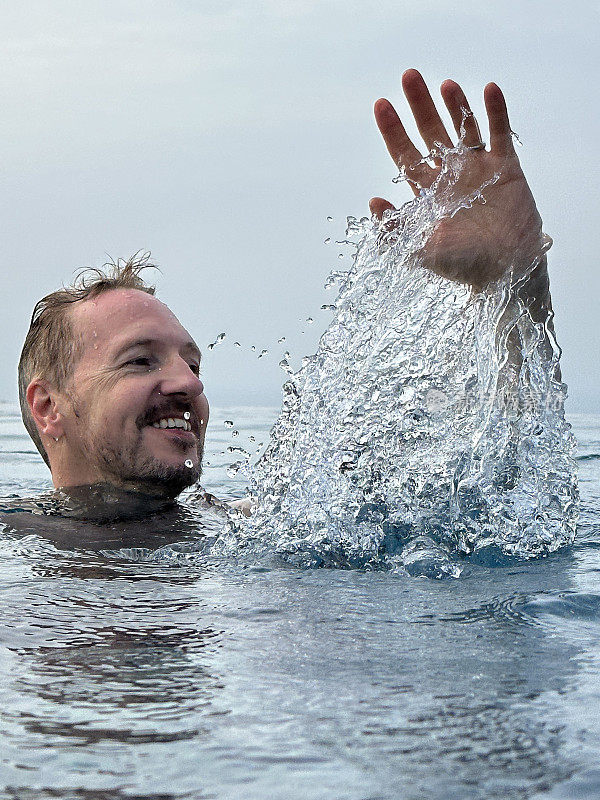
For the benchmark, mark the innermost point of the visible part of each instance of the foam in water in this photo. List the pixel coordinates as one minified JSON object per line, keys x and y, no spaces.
{"x":415,"y":434}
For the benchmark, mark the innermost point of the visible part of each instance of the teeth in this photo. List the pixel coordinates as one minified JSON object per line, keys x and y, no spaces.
{"x":173,"y":422}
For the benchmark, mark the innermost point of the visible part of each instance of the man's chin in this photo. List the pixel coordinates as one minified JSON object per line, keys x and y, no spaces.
{"x":158,"y":478}
{"x":170,"y":479}
{"x":159,"y":474}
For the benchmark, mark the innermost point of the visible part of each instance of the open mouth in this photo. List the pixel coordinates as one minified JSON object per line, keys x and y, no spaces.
{"x":178,"y":426}
{"x":173,"y":423}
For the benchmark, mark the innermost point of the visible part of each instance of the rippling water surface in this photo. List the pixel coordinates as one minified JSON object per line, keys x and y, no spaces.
{"x":161,"y":673}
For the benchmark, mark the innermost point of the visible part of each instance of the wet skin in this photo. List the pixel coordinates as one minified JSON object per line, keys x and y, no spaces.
{"x":138,"y":366}
{"x":477,"y":245}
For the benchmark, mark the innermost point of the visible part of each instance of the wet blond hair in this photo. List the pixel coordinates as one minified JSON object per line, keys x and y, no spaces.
{"x":51,"y":346}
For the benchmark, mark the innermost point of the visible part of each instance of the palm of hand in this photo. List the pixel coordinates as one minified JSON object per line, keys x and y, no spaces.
{"x":500,"y":226}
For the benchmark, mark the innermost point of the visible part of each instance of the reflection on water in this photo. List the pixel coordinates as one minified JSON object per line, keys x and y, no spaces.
{"x":185,"y":677}
{"x":219,"y":680}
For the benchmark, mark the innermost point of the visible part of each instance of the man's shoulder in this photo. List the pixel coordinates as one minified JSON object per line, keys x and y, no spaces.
{"x":25,"y":515}
{"x":42,"y":504}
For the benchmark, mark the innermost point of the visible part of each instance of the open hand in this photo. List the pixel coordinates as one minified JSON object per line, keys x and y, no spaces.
{"x":479,"y":243}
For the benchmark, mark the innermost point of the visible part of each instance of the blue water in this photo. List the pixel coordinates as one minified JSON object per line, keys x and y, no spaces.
{"x":182,"y":677}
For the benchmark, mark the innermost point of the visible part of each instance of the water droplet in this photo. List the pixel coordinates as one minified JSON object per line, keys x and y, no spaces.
{"x":327,"y":240}
{"x":329,"y":219}
{"x":253,"y":348}
{"x":340,"y":255}
{"x":219,"y":338}
{"x":232,"y":449}
{"x":516,"y":138}
{"x":228,"y":423}
{"x":189,"y":463}
{"x":310,"y":320}
{"x":336,"y":276}
{"x":281,"y":341}
{"x":235,"y":433}
{"x":263,"y":353}
{"x":237,"y":344}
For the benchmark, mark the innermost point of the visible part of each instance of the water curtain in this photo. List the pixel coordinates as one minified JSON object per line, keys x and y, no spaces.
{"x":430,"y":421}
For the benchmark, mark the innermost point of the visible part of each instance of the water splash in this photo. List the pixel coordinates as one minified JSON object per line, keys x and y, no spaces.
{"x":412,"y":436}
{"x":217,"y":341}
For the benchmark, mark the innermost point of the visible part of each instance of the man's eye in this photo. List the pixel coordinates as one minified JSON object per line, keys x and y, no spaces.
{"x":141,"y":361}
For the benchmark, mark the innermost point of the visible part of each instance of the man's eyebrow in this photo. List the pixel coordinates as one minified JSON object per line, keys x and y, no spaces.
{"x":192,"y":347}
{"x":189,"y":346}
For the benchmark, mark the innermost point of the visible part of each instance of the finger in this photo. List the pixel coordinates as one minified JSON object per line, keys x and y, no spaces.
{"x":402,"y":150}
{"x":501,"y":140}
{"x":429,"y":123}
{"x":377,"y":206}
{"x":463,"y":118}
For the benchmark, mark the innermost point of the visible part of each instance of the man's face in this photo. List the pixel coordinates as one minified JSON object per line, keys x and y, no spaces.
{"x":136,"y":379}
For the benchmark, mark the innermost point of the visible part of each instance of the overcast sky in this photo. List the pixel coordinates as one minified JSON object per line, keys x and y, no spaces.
{"x":221,"y":136}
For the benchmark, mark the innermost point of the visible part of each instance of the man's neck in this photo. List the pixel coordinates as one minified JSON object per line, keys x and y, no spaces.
{"x":104,"y":502}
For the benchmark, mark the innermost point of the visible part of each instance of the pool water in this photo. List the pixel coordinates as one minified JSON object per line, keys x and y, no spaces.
{"x":160,"y":673}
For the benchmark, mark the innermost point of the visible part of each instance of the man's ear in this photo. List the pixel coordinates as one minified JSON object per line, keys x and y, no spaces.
{"x":44,"y":404}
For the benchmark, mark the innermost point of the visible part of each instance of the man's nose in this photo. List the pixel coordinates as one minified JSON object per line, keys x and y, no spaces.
{"x":178,"y":378}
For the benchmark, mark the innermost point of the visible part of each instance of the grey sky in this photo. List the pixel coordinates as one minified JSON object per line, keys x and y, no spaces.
{"x":221,"y":136}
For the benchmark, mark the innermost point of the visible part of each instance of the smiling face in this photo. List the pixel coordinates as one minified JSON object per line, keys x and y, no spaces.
{"x":134,"y":414}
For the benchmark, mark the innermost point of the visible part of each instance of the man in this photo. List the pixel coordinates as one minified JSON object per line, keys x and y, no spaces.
{"x":110,"y":393}
{"x":108,"y":378}
{"x":110,"y":390}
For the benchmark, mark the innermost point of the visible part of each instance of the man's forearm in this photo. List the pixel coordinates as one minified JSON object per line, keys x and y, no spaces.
{"x":535,"y":297}
{"x":535,"y":294}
